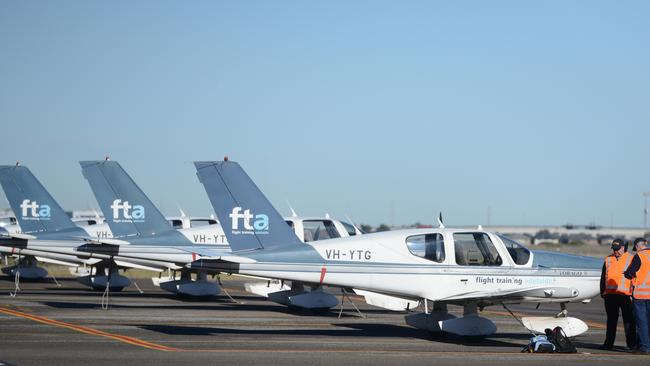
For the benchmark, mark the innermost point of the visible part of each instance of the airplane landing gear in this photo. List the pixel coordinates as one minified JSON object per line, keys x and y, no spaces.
{"x":28,"y":268}
{"x":106,"y":274}
{"x":470,"y":326}
{"x":200,"y":288}
{"x":295,"y":296}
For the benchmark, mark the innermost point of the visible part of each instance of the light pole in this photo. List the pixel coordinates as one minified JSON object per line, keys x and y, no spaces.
{"x":645,"y":209}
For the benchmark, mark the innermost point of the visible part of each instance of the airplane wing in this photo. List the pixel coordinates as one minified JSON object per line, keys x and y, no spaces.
{"x":211,"y":254}
{"x":107,"y":241}
{"x":20,"y":236}
{"x":60,"y":262}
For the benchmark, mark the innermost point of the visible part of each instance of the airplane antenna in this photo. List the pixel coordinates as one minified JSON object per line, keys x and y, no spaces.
{"x":107,"y":158}
{"x":225,"y":158}
{"x":347,"y":217}
{"x":18,"y":163}
{"x":181,"y":210}
{"x":480,"y":227}
{"x":293,"y":213}
{"x":327,"y":216}
{"x":440,"y":224}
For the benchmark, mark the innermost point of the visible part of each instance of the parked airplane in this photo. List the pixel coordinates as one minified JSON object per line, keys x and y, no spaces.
{"x":471,"y":268}
{"x":42,"y":219}
{"x":108,"y":180}
{"x":118,"y":196}
{"x":132,"y":217}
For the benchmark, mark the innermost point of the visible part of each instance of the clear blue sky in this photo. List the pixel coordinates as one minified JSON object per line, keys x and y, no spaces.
{"x":538,"y":110}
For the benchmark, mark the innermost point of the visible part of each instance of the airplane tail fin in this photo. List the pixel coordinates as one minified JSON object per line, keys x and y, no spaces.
{"x":246,"y":215}
{"x":128,"y":211}
{"x":34,"y":207}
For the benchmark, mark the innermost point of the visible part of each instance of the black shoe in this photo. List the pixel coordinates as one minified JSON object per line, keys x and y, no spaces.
{"x":606,"y":347}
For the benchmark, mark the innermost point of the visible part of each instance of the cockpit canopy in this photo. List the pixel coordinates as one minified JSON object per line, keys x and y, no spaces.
{"x":471,"y":248}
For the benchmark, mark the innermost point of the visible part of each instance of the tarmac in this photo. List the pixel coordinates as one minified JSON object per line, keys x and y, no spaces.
{"x":48,"y":324}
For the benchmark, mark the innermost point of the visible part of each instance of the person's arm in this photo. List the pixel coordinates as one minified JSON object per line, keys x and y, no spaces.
{"x":634,"y":266}
{"x":602,"y":280}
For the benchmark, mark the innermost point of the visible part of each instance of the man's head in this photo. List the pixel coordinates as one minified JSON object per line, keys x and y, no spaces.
{"x":640,"y":244}
{"x":618,"y":247}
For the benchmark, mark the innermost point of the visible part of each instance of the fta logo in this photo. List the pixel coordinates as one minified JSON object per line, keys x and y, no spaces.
{"x":123,"y":211}
{"x":31,"y":210}
{"x":253,"y":224}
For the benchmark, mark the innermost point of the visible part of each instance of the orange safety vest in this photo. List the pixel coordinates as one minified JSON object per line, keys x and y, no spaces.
{"x":642,"y":282}
{"x":615,"y":282}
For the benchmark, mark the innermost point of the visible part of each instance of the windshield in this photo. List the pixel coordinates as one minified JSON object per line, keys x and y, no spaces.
{"x":519,"y":254}
{"x":349,"y":228}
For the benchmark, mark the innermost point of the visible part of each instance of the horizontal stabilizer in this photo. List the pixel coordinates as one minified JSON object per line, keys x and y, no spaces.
{"x":126,"y":264}
{"x":220,"y":264}
{"x":58,"y":262}
{"x":104,"y":249}
{"x":212,"y":254}
{"x":107,"y":241}
{"x":21,"y":236}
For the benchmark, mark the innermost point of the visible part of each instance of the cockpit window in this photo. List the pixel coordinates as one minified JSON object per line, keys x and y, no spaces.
{"x":7,"y":221}
{"x":176,"y":224}
{"x":349,"y":228}
{"x":319,"y":230}
{"x":202,"y":222}
{"x":475,"y":249}
{"x":520,"y":254}
{"x":427,"y":246}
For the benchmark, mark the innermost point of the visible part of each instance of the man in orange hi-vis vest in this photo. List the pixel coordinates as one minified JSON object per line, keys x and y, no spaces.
{"x":639,"y":272}
{"x":616,"y":291}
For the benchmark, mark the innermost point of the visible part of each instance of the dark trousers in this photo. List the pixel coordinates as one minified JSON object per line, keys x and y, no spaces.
{"x":612,"y":305}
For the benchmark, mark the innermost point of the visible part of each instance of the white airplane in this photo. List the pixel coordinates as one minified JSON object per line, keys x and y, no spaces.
{"x":200,"y":231}
{"x":468,"y":267}
{"x":95,"y":227}
{"x":479,"y":269}
{"x":39,"y":215}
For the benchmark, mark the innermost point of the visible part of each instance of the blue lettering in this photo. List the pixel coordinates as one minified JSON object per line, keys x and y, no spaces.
{"x":138,"y":212}
{"x":44,"y":211}
{"x":261,"y":222}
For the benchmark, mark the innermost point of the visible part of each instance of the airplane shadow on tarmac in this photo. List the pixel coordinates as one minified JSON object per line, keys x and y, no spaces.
{"x":216,"y":305}
{"x":343,"y":330}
